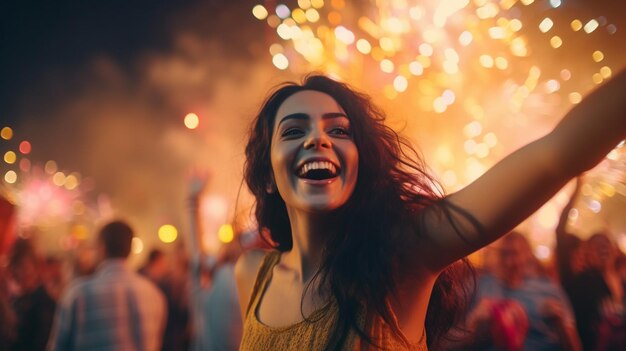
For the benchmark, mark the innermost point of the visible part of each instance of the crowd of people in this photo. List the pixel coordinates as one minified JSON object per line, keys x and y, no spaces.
{"x":178,"y":302}
{"x":365,"y":252}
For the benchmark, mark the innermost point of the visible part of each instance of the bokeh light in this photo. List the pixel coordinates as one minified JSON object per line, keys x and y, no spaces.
{"x":51,"y":167}
{"x":10,"y":177}
{"x":167,"y":233}
{"x":226,"y":233}
{"x":137,"y":245}
{"x":192,"y":121}
{"x":10,"y":157}
{"x":25,"y":147}
{"x":6,"y":133}
{"x":259,"y":12}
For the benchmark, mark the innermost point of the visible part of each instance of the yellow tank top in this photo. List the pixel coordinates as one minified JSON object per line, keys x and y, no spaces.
{"x":312,"y":333}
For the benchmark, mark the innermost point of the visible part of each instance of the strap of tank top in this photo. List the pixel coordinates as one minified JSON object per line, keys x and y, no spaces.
{"x":262,"y":278}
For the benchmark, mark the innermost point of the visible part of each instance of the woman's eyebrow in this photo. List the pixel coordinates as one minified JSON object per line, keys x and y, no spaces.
{"x":304,"y":116}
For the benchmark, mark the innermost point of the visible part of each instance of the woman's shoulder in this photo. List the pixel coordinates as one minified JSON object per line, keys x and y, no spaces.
{"x":246,"y":271}
{"x":248,"y":264}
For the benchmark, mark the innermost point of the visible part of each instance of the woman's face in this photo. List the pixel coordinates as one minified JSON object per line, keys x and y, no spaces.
{"x":314,"y":158}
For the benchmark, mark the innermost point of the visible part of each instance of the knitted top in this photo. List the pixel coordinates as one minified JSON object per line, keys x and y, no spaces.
{"x":312,"y":333}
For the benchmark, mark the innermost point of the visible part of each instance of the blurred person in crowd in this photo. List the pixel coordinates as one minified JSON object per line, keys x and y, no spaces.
{"x":85,"y":261}
{"x":32,"y":306}
{"x":519,"y":307}
{"x":53,"y":277}
{"x":158,"y":269}
{"x":598,"y":297}
{"x":218,"y":326}
{"x":570,"y":260}
{"x":620,"y":266}
{"x":115,"y":308}
{"x":8,"y":320}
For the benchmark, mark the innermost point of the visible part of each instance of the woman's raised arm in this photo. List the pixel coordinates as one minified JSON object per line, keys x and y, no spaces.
{"x":520,"y":183}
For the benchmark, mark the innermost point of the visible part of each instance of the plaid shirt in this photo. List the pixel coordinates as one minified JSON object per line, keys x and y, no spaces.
{"x":115,"y":309}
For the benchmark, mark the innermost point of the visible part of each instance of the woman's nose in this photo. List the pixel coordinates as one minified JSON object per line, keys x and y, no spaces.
{"x":317,"y":139}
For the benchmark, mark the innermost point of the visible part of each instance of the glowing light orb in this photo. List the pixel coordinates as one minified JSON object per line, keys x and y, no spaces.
{"x":136,"y":245}
{"x":259,"y":12}
{"x":605,"y":72}
{"x":304,"y":4}
{"x":10,"y":157}
{"x":25,"y":147}
{"x":344,"y":34}
{"x":167,"y":233}
{"x":597,"y":56}
{"x":280,"y":61}
{"x":386,"y":66}
{"x":6,"y":133}
{"x":416,"y":68}
{"x":546,"y":25}
{"x":71,"y":182}
{"x":576,"y":25}
{"x":595,"y":206}
{"x":575,"y":97}
{"x":192,"y":121}
{"x":58,"y":179}
{"x":400,"y":83}
{"x":556,"y":42}
{"x":273,"y":21}
{"x":486,"y":61}
{"x":465,"y":38}
{"x":226,"y":233}
{"x":10,"y":177}
{"x":282,"y":11}
{"x":363,"y":46}
{"x":50,"y":167}
{"x":318,"y":4}
{"x":591,"y":26}
{"x":312,"y":15}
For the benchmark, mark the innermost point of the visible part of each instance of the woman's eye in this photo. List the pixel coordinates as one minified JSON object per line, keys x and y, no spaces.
{"x":339,"y":131}
{"x":291,"y":132}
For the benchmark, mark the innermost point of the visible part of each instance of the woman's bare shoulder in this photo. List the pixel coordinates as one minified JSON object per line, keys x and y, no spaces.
{"x":248,"y":264}
{"x":246,"y":270}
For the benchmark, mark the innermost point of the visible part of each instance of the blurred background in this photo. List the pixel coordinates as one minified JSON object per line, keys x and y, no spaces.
{"x":106,"y":108}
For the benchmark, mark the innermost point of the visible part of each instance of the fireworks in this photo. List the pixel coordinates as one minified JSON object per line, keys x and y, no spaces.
{"x":45,"y":197}
{"x":471,"y":80}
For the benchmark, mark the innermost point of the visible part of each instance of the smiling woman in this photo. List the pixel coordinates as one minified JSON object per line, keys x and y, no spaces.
{"x":314,"y":159}
{"x":367,"y":254}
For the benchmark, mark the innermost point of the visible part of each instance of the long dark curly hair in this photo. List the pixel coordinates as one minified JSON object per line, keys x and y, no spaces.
{"x":360,"y":263}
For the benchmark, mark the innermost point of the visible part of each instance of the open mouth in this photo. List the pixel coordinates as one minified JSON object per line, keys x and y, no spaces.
{"x":317,"y":170}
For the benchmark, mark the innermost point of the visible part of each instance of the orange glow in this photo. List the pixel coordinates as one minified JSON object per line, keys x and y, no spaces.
{"x":334,"y":18}
{"x":10,"y":157}
{"x":192,"y":121}
{"x":6,"y":133}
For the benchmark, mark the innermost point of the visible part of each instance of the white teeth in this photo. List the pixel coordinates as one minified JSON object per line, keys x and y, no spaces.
{"x":318,"y":165}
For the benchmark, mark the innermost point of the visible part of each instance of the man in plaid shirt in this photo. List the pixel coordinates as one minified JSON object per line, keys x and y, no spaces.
{"x":116,"y":308}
